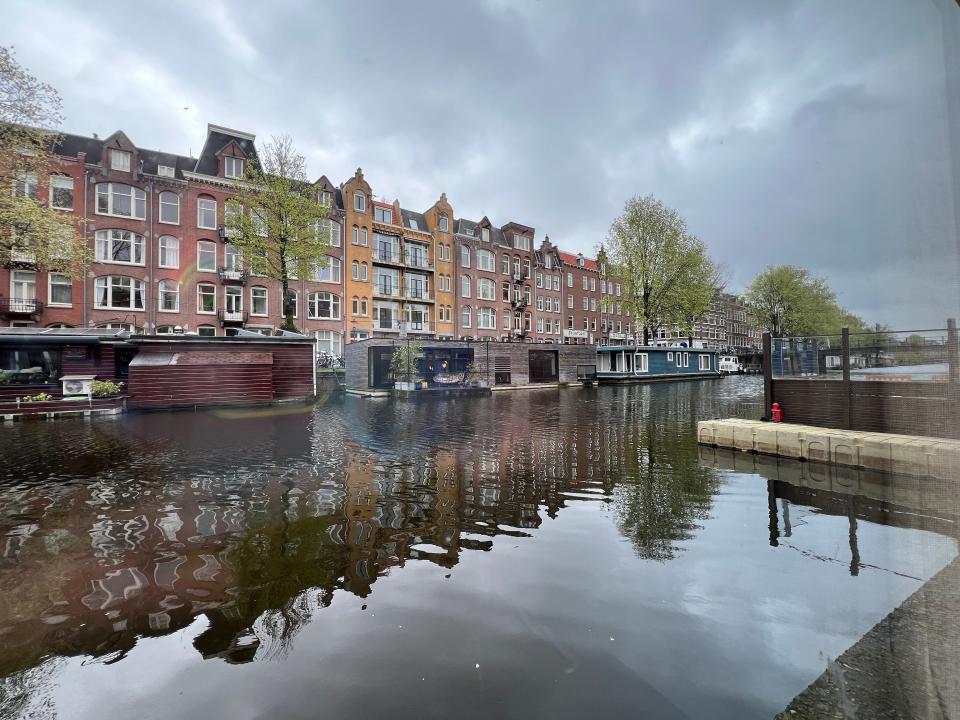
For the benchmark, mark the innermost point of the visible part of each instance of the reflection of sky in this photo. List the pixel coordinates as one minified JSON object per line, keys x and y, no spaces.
{"x":568,"y":622}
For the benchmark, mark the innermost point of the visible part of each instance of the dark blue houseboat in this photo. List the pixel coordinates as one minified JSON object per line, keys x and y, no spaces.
{"x":637,"y":363}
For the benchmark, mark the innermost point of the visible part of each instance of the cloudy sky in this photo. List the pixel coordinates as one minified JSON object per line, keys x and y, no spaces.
{"x":808,"y":132}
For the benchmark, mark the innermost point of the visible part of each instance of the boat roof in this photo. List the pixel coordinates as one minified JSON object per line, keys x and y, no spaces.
{"x":646,"y":348}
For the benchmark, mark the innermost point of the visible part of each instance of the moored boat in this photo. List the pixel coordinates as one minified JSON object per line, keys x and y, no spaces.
{"x":640,"y":363}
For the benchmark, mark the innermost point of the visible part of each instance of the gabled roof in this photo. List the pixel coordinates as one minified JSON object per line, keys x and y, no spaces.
{"x":471,"y":229}
{"x":462,"y":226}
{"x":571,"y":259}
{"x":217,"y":139}
{"x":151,"y":159}
{"x":69,"y":145}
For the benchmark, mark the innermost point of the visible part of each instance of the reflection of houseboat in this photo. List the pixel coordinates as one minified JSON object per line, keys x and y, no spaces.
{"x":635,"y":363}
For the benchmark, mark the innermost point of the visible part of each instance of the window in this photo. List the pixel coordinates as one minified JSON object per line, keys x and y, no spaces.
{"x":593,"y":284}
{"x":363,"y":271}
{"x":618,"y":289}
{"x":539,"y":324}
{"x":526,"y":267}
{"x":169,"y":252}
{"x":569,"y":280}
{"x":359,"y":202}
{"x":170,"y":208}
{"x":356,"y":235}
{"x":641,"y":362}
{"x":593,"y":304}
{"x":584,"y":278}
{"x":206,"y":256}
{"x":486,"y":260}
{"x":206,"y":331}
{"x":521,"y":242}
{"x":516,"y":267}
{"x":363,"y":237}
{"x":465,"y":286}
{"x":485,"y":289}
{"x":540,"y":302}
{"x":569,"y":302}
{"x":444,"y":223}
{"x":61,"y":192}
{"x":232,"y":258}
{"x":259,"y":218}
{"x":329,"y":342}
{"x":329,"y":231}
{"x":25,"y":186}
{"x":206,"y":298}
{"x":323,"y":306}
{"x":166,"y":171}
{"x":118,"y":291}
{"x":556,"y":283}
{"x":169,"y":296}
{"x":120,"y":160}
{"x":61,"y":289}
{"x":465,"y":316}
{"x":233,"y":299}
{"x":325,"y":198}
{"x":704,"y":362}
{"x":464,"y":256}
{"x":119,"y":246}
{"x":539,"y":280}
{"x":486,"y":319}
{"x":355,"y":270}
{"x":330,"y":273}
{"x":505,"y":264}
{"x":233,"y":167}
{"x":570,"y":321}
{"x":207,"y":213}
{"x":383,"y":215}
{"x":485,"y":234}
{"x":121,"y":200}
{"x":258,"y":301}
{"x":527,"y":321}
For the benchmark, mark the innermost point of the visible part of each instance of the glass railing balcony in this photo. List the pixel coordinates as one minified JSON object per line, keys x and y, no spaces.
{"x":386,"y":289}
{"x":418,"y":326}
{"x":418,"y":260}
{"x":417,"y":292}
{"x":386,"y":324}
{"x":385,"y":254}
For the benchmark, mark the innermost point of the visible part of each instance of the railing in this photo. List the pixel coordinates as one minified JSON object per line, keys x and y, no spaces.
{"x":418,"y":260}
{"x":417,"y":293}
{"x":387,"y":256}
{"x":232,"y":316}
{"x":228,"y":274}
{"x":387,"y":290}
{"x":20,"y":306}
{"x":386,"y":325}
{"x":22,"y":257}
{"x":418,"y":327}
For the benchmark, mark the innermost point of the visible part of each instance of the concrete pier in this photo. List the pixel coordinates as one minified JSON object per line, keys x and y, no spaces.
{"x":902,"y":454}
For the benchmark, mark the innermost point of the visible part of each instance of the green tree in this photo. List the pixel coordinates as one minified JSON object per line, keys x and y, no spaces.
{"x":276,"y":221}
{"x":664,"y":270}
{"x":31,"y":231}
{"x":702,"y":285}
{"x":788,"y":300}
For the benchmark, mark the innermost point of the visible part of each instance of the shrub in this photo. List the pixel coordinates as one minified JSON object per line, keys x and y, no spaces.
{"x":39,"y":397}
{"x":105,"y":388}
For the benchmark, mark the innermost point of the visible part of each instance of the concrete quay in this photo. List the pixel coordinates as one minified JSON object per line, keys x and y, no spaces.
{"x":902,"y":454}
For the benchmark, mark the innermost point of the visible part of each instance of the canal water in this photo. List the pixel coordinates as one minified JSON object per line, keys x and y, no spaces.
{"x":535,"y":554}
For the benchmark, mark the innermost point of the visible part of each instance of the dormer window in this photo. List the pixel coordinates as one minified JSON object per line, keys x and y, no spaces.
{"x":383,"y":215}
{"x":521,"y":242}
{"x":580,"y":263}
{"x":444,"y":223}
{"x":414,"y":225}
{"x":325,"y":198}
{"x":485,"y":234}
{"x":165,"y":171}
{"x":120,"y":160}
{"x":233,"y":167}
{"x":359,"y":202}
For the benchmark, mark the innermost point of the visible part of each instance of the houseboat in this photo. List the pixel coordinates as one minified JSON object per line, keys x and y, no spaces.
{"x":638,"y":363}
{"x":730,"y":365}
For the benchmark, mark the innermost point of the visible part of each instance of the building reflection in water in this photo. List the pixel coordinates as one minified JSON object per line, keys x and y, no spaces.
{"x":255,"y":520}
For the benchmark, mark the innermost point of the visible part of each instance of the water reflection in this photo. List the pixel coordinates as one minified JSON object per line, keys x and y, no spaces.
{"x":116,"y":532}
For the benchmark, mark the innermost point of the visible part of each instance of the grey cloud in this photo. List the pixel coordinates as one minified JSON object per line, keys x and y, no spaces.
{"x":805,"y":132}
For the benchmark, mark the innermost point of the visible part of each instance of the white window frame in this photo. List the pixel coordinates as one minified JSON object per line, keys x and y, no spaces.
{"x":313,"y":304}
{"x":68,"y":281}
{"x":486,"y":260}
{"x":487,"y":283}
{"x":703,"y":357}
{"x":488,"y":314}
{"x":334,"y":278}
{"x":166,"y":171}
{"x":161,"y":249}
{"x":466,"y":316}
{"x":213,"y":292}
{"x":63,"y":180}
{"x":465,"y":286}
{"x":359,"y":201}
{"x":444,"y":223}
{"x":161,"y":291}
{"x":161,"y":204}
{"x":202,"y":210}
{"x":266,"y":301}
{"x":203,"y":243}
{"x":230,"y":168}
{"x":137,"y":242}
{"x":138,"y":200}
{"x":120,"y":160}
{"x":134,"y":284}
{"x":465,"y":256}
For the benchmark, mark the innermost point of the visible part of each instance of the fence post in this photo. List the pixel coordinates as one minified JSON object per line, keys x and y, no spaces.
{"x":847,"y":385}
{"x":767,"y":374}
{"x":953,"y":351}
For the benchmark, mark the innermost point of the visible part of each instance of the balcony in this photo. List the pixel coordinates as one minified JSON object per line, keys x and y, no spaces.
{"x":417,"y":293}
{"x":420,"y":261}
{"x":386,"y":290}
{"x":232,"y":317}
{"x":419,"y":327}
{"x":20,"y":307}
{"x":519,"y":303}
{"x":233,"y":275}
{"x":386,"y":325}
{"x":387,"y":256}
{"x":21,"y":258}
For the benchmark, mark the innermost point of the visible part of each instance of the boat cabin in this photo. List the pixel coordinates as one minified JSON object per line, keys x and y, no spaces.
{"x":618,"y":363}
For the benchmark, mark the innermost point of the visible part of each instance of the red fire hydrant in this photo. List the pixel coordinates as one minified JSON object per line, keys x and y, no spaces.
{"x":776,"y":414}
